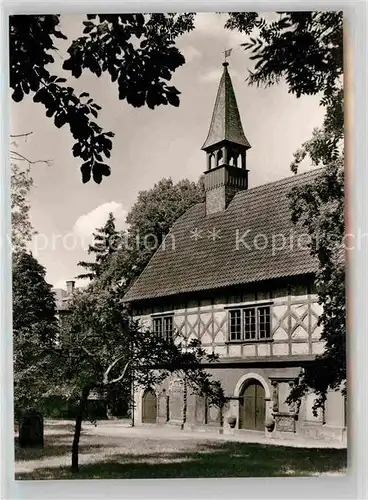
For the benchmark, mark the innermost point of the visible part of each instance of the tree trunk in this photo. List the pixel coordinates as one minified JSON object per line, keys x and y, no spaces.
{"x":109,"y":414}
{"x":78,"y":428}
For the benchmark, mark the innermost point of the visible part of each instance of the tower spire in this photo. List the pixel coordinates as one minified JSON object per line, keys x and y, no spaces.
{"x":226,"y":123}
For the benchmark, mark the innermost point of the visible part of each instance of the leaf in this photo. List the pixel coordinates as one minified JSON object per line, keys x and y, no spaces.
{"x":59,"y":34}
{"x":17,"y":95}
{"x":60,"y":119}
{"x":77,"y":149}
{"x":88,"y":29}
{"x":173,"y":99}
{"x":173,"y":90}
{"x":76,"y":71}
{"x":40,"y":95}
{"x":97,"y":176}
{"x":108,"y":143}
{"x":68,"y":64}
{"x":86,"y":172}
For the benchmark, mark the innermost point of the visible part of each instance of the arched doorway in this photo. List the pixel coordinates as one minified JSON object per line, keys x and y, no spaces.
{"x":252,"y":406}
{"x":149,"y":407}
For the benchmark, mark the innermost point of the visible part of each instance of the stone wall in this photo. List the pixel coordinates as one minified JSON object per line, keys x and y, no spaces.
{"x":289,"y":422}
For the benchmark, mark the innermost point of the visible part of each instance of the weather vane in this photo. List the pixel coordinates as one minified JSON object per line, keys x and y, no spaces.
{"x":227,"y":53}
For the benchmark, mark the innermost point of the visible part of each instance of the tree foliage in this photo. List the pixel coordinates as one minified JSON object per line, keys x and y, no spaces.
{"x":106,"y":241}
{"x":22,"y":229}
{"x":101,"y":338}
{"x":306,"y":49}
{"x":137,"y":51}
{"x":21,"y":183}
{"x":35,"y":332}
{"x":320,"y":209}
{"x":102,"y":346}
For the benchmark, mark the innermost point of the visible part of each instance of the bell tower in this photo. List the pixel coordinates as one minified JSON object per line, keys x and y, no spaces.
{"x":226,"y":148}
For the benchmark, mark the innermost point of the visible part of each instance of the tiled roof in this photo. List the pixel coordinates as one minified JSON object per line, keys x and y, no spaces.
{"x":246,"y":249}
{"x":226,"y":123}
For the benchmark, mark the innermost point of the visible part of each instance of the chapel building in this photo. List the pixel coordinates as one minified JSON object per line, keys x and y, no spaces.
{"x":235,"y":273}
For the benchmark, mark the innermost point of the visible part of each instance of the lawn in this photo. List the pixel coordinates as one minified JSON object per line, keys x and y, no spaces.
{"x":129,"y":455}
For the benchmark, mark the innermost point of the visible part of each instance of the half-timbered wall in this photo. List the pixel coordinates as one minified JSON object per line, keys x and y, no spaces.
{"x":294,"y":330}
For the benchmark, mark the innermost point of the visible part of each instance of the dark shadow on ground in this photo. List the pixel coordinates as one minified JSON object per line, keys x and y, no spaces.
{"x":54,"y":446}
{"x":215,"y":460}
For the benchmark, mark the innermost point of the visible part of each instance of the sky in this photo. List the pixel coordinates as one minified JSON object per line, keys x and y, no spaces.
{"x":150,"y":144}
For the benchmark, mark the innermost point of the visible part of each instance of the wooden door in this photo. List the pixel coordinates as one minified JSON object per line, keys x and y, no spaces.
{"x":252,"y":407}
{"x":149,"y":407}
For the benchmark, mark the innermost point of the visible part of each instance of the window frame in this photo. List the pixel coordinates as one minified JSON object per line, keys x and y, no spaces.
{"x":251,"y":314}
{"x":163,"y":331}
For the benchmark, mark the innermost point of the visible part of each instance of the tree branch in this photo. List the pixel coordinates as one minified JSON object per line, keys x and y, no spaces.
{"x":87,"y":351}
{"x":105,"y":379}
{"x":26,"y":134}
{"x":88,"y":336}
{"x":20,"y":157}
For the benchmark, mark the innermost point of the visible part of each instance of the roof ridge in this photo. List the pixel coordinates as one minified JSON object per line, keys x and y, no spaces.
{"x":280,"y":182}
{"x":284,"y":180}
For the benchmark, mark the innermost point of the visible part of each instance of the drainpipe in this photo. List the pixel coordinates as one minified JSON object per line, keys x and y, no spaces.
{"x":132,"y":405}
{"x":132,"y":401}
{"x":185,"y":396}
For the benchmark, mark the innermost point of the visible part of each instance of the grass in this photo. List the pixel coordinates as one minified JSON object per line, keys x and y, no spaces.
{"x":129,"y":456}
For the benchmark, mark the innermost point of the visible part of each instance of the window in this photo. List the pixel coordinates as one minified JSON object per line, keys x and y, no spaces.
{"x":250,"y":329}
{"x":157,"y":326}
{"x":251,"y":323}
{"x":264,"y":322}
{"x":235,"y":325}
{"x":163,"y":327}
{"x":168,"y":327}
